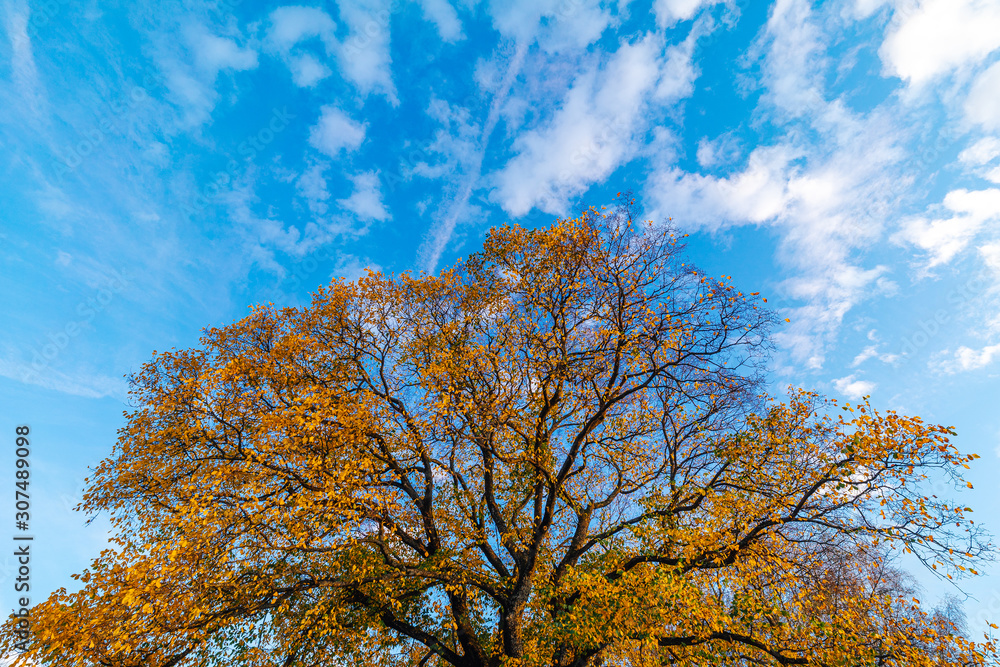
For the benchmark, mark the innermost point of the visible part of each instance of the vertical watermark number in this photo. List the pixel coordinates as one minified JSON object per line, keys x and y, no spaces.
{"x":22,"y":540}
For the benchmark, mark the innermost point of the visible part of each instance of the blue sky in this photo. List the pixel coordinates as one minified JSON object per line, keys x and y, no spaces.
{"x":166,"y":164}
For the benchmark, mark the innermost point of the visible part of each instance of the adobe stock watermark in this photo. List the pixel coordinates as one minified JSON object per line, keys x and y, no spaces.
{"x":248,"y":149}
{"x":42,"y":14}
{"x":929,"y":328}
{"x":56,"y":342}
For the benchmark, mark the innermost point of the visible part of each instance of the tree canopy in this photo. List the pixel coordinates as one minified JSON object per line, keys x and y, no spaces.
{"x":557,"y":453}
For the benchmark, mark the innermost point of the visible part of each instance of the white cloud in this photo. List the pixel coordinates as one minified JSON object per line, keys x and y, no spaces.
{"x":990,"y":252}
{"x":293,"y":24}
{"x":967,"y":359}
{"x":444,"y":17}
{"x":517,"y":18}
{"x":935,"y":37}
{"x":983,"y":104}
{"x":459,"y":193}
{"x":824,"y":186}
{"x":871,"y":351}
{"x":559,"y":26}
{"x":22,"y":59}
{"x":455,"y":144}
{"x":828,"y":289}
{"x":364,"y":57}
{"x":74,"y":383}
{"x":191,"y":78}
{"x":336,"y":131}
{"x":595,"y":130}
{"x":351,"y":267}
{"x":311,"y":185}
{"x":263,"y":234}
{"x":863,"y":356}
{"x":307,"y":70}
{"x":818,"y":214}
{"x":887,"y":287}
{"x":982,"y":152}
{"x":722,"y":150}
{"x":196,"y":98}
{"x":757,"y":194}
{"x":573,"y":27}
{"x":366,"y":200}
{"x":854,"y":389}
{"x":865,"y":8}
{"x":289,"y":26}
{"x":943,"y":238}
{"x":669,"y":12}
{"x":213,"y":53}
{"x":678,"y":71}
{"x":706,"y":153}
{"x":795,"y":61}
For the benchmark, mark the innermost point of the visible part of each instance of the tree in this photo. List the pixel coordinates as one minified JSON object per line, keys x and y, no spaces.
{"x":556,"y":453}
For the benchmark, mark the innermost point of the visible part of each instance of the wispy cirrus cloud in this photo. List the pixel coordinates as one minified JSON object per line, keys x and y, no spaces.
{"x":469,"y":158}
{"x":17,"y":15}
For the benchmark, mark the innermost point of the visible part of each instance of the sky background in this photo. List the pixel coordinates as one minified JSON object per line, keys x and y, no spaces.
{"x":164,"y":165}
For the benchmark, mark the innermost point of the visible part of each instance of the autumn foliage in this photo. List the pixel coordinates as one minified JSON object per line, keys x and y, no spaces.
{"x":557,"y":453}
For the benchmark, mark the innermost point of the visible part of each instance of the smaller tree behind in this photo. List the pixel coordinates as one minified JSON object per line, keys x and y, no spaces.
{"x":555,"y":454}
